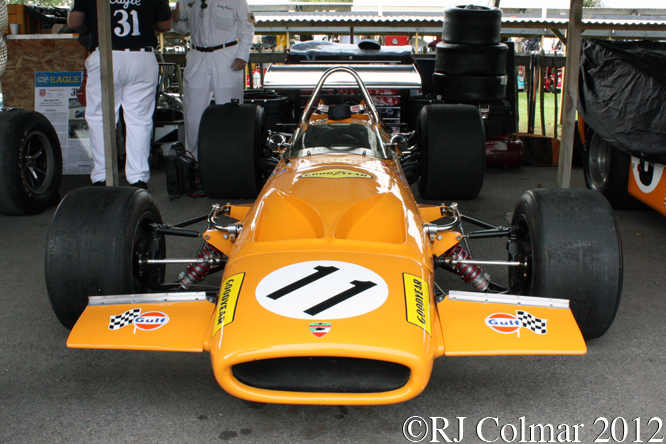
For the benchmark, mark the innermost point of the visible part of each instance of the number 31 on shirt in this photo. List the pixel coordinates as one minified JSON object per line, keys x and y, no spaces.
{"x":125,"y":27}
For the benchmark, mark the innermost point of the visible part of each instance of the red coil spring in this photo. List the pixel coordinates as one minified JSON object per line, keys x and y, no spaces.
{"x":197,"y":271}
{"x":471,"y":274}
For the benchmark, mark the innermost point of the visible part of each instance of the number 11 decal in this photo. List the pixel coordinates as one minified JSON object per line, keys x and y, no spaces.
{"x":322,"y":290}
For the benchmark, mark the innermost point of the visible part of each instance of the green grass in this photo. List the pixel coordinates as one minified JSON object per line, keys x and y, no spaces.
{"x":549,"y":114}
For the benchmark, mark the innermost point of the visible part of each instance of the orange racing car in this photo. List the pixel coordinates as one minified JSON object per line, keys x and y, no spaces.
{"x":328,"y":293}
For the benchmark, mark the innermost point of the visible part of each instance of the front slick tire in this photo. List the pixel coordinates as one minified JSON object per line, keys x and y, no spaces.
{"x":570,"y":241}
{"x":452,"y":142}
{"x":94,"y":244}
{"x":231,"y":139}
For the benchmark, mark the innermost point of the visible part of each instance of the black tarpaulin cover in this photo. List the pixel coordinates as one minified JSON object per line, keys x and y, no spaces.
{"x":622,"y":94}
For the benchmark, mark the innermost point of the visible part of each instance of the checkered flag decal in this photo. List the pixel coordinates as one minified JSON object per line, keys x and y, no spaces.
{"x":535,"y":324}
{"x":121,"y":320}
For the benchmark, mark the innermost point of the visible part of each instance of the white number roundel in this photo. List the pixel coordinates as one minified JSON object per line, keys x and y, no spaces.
{"x":656,"y":173}
{"x":322,"y":290}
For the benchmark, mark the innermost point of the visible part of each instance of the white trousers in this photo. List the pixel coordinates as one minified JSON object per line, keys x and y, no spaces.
{"x":208,"y":75}
{"x":135,"y":86}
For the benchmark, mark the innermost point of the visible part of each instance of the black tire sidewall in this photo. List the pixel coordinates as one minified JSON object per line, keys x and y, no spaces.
{"x":452,"y":146}
{"x":477,"y":26}
{"x":475,"y":60}
{"x":576,"y":254}
{"x":230,"y":149}
{"x":469,"y":89}
{"x":15,"y":196}
{"x":90,"y":245}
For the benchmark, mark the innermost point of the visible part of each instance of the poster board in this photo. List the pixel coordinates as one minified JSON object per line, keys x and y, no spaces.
{"x":55,"y":97}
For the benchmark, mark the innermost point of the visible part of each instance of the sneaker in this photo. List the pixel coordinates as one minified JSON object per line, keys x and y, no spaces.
{"x":140,"y":184}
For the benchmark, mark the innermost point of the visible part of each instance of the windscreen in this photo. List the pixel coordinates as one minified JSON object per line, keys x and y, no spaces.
{"x":322,"y":138}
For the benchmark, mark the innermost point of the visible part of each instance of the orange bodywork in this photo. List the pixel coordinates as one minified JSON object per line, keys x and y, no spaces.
{"x":336,"y":209}
{"x":647,"y":183}
{"x":333,"y":265}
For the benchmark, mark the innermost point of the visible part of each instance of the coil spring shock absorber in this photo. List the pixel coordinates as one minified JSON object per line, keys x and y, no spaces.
{"x":197,"y":271}
{"x":471,"y":274}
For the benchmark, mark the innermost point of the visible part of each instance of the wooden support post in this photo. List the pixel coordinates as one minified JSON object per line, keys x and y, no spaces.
{"x":108,"y":101}
{"x":556,"y":120}
{"x":532,"y":91}
{"x":570,"y":92}
{"x":541,"y":84}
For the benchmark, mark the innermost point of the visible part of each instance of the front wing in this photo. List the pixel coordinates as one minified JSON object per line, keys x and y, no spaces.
{"x":165,"y":322}
{"x":497,"y":324}
{"x":463,"y":323}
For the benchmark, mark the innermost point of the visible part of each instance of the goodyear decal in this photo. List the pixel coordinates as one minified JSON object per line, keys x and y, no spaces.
{"x":417,"y":300}
{"x":226,"y":305}
{"x":337,"y":173}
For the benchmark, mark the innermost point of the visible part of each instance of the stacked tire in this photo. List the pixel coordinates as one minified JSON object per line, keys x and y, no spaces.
{"x":4,"y":22}
{"x":470,"y":62}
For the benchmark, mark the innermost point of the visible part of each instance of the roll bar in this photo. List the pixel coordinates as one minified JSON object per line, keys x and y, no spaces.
{"x":309,"y":108}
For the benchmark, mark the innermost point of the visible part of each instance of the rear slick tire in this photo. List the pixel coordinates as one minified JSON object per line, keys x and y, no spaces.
{"x":452,"y":143}
{"x":231,"y":140}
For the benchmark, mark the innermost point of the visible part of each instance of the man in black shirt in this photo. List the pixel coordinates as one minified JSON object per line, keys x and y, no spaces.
{"x":135,"y":74}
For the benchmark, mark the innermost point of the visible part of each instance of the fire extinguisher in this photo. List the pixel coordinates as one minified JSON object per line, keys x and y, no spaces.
{"x":256,"y":78}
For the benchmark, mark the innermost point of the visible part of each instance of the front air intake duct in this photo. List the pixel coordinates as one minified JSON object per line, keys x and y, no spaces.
{"x":323,"y":375}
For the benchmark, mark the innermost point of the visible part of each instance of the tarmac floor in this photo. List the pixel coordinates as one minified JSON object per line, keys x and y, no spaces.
{"x":49,"y":393}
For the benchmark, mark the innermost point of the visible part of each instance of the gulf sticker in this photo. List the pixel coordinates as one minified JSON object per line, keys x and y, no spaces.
{"x":337,"y":173}
{"x":507,"y":323}
{"x":226,"y":304}
{"x":503,"y":323}
{"x":417,"y":301}
{"x":149,"y":321}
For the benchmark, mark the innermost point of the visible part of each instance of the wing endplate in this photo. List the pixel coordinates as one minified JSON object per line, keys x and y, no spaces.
{"x":493,"y":324}
{"x":164,"y":322}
